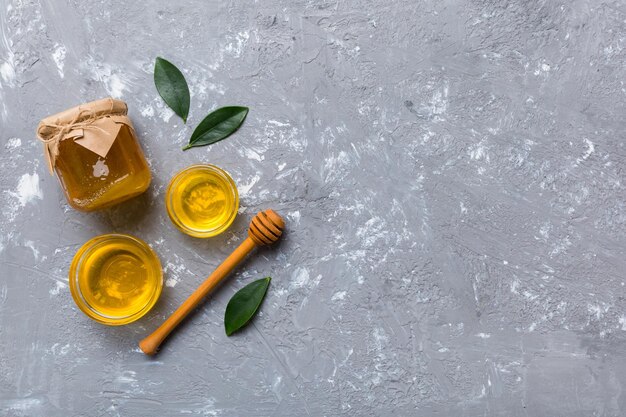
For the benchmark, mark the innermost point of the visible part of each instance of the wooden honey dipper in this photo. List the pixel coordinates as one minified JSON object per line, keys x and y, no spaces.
{"x":265,"y":228}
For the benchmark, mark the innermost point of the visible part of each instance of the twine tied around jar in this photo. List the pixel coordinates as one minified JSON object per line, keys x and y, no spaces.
{"x":94,"y":126}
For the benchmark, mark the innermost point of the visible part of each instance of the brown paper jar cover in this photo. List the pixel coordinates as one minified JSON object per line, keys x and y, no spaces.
{"x":94,"y":151}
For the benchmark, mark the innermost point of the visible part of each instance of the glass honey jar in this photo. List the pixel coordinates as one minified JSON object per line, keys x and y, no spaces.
{"x":94,"y":151}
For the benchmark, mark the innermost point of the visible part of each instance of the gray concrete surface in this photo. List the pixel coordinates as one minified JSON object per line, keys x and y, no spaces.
{"x":453,"y":178}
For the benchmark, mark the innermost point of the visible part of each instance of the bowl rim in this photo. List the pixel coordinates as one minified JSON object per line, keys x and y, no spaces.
{"x":80,"y":300}
{"x":169,"y":195}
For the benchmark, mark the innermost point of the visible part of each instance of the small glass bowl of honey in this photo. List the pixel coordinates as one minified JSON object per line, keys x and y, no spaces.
{"x":115,"y":279}
{"x":202,"y":200}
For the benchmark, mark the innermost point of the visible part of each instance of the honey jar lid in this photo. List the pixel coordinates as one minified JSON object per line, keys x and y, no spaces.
{"x":80,"y":113}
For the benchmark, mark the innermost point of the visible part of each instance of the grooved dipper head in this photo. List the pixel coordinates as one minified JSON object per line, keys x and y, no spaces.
{"x":266,"y":227}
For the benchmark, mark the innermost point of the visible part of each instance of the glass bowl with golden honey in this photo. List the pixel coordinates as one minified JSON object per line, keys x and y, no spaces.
{"x":202,"y":200}
{"x":115,"y":279}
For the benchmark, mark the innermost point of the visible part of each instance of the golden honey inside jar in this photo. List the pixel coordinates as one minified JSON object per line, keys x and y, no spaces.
{"x":202,"y":200}
{"x":115,"y":279}
{"x":91,"y":182}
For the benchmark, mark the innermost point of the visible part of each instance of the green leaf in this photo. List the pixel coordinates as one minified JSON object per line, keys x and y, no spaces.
{"x":244,"y":305}
{"x":217,"y":126}
{"x":171,"y":85}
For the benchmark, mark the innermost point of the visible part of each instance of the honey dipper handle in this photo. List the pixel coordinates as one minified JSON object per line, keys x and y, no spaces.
{"x":150,"y":344}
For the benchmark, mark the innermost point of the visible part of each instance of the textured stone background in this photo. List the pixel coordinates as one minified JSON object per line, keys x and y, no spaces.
{"x":453,"y":178}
